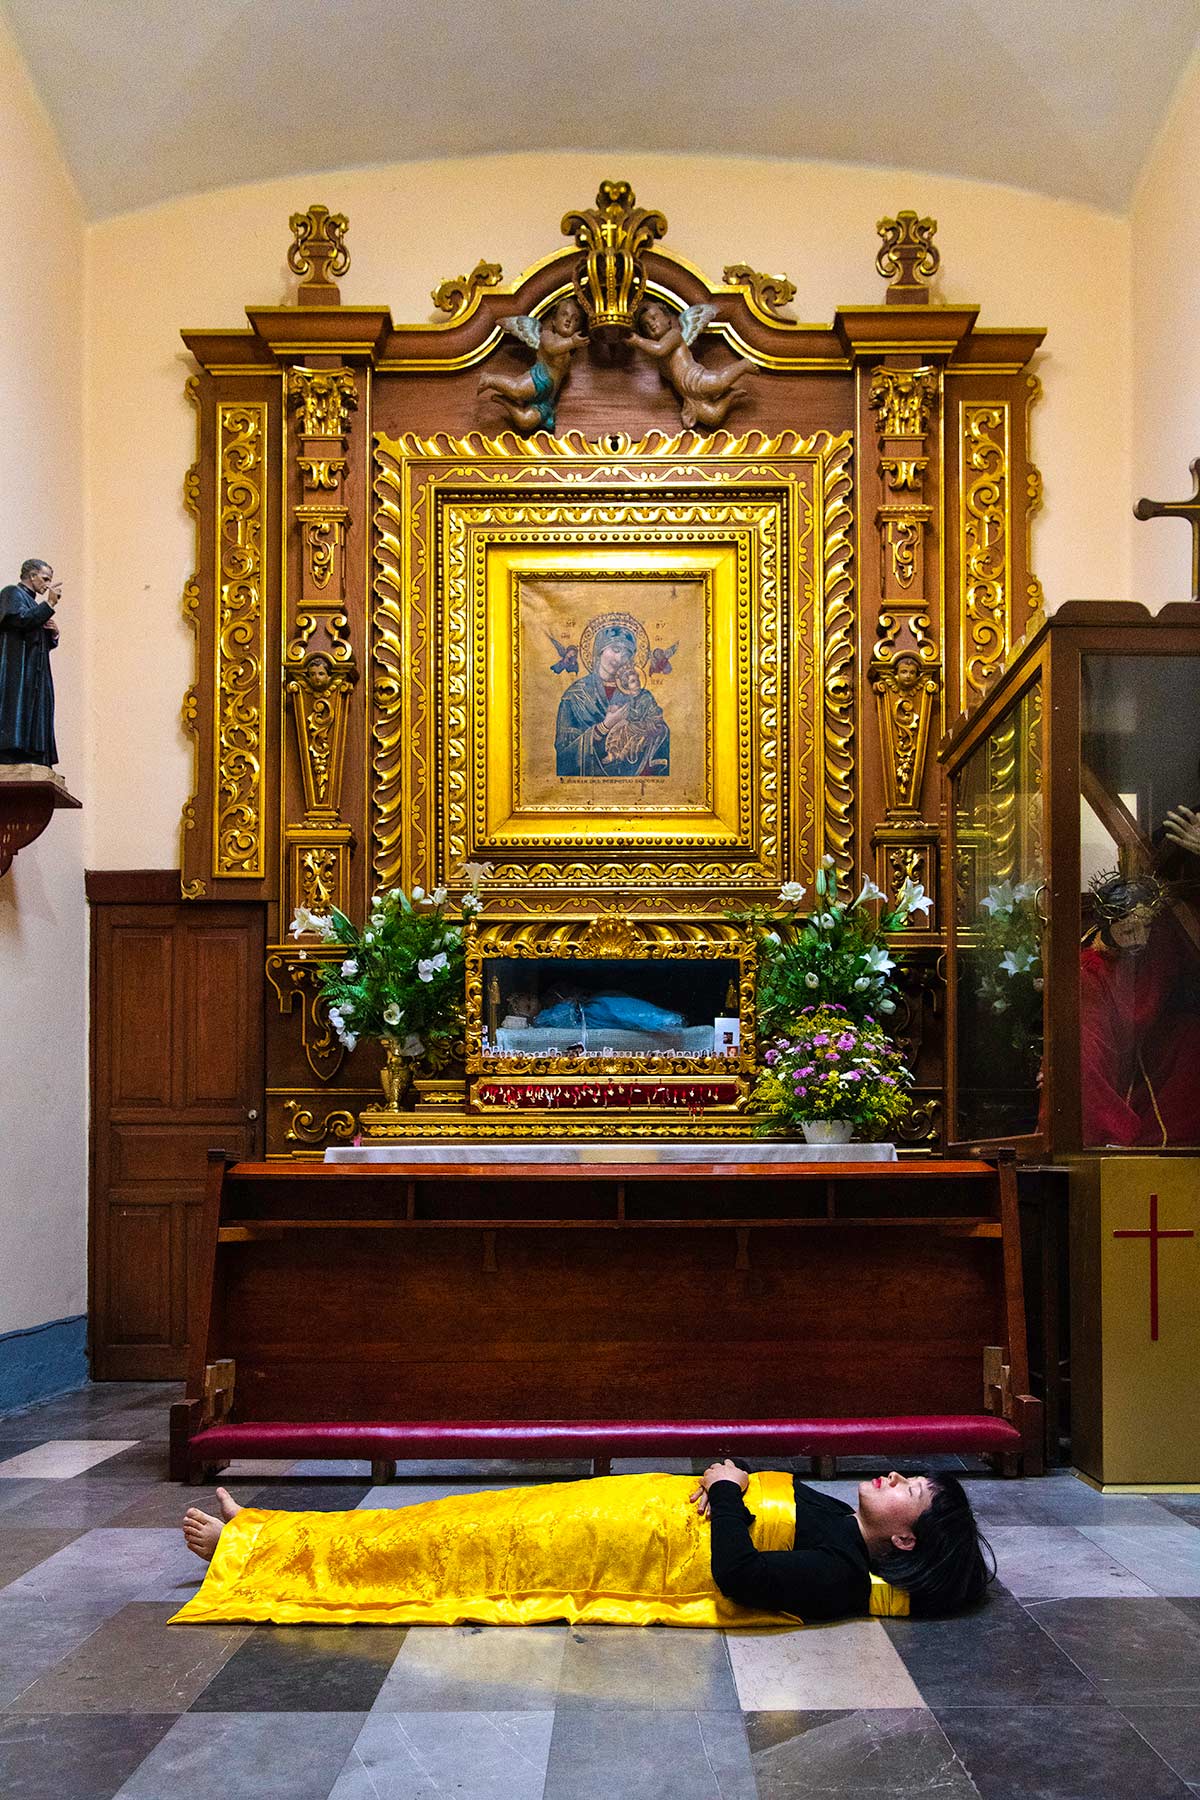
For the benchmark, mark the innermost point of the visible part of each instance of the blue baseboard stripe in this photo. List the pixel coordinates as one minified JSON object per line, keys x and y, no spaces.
{"x":42,"y":1360}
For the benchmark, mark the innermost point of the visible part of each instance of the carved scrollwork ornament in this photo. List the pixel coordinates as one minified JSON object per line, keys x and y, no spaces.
{"x":767,"y":293}
{"x":240,"y":666}
{"x":908,"y":256}
{"x":317,"y":252}
{"x":293,"y":975}
{"x":459,"y":294}
{"x":304,"y":1127}
{"x":905,"y":691}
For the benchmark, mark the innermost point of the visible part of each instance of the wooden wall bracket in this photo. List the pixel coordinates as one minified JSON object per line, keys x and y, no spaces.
{"x":25,"y":809}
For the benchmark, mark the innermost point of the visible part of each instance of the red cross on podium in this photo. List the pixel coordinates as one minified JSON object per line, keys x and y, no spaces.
{"x":1154,"y":1234}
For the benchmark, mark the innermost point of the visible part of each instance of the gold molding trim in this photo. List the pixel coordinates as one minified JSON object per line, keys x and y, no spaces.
{"x":192,"y":888}
{"x":1034,"y":594}
{"x":240,"y":673}
{"x":816,"y":568}
{"x":985,"y":549}
{"x":765,"y":293}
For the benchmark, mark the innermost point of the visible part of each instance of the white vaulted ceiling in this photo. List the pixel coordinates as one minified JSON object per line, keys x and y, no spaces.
{"x":156,"y":98}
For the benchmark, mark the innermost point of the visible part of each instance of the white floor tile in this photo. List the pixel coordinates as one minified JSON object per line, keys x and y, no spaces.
{"x":61,"y":1458}
{"x":818,"y":1667}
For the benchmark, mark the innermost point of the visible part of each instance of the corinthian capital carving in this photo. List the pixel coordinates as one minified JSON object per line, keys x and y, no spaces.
{"x":324,"y":399}
{"x":901,"y":400}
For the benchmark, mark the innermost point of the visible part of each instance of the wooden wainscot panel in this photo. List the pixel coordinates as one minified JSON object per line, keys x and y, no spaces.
{"x":140,"y":970}
{"x":139,"y":1280}
{"x":221,"y":1019}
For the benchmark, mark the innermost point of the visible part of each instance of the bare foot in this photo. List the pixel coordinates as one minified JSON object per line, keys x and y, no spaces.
{"x":201,"y":1532}
{"x":229,"y":1506}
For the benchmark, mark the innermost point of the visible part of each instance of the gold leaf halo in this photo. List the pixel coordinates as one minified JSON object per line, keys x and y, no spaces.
{"x":641,"y":655}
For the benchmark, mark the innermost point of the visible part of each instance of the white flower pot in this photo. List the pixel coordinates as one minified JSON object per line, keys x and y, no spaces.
{"x":827,"y":1131}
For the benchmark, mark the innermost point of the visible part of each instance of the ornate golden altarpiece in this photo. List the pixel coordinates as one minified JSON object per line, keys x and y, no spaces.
{"x":372,"y":528}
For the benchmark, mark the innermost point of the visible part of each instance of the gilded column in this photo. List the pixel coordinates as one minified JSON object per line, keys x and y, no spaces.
{"x":319,"y":667}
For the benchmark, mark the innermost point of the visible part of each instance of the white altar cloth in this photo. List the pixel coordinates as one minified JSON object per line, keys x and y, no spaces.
{"x":611,"y":1150}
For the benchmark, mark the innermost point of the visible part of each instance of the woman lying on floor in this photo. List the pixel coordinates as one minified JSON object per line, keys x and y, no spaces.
{"x":738,"y":1549}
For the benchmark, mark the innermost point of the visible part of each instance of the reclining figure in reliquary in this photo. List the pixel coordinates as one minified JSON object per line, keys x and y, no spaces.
{"x":530,"y":399}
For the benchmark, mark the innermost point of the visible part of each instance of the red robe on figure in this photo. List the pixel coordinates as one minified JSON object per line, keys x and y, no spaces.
{"x":1139,"y":1050}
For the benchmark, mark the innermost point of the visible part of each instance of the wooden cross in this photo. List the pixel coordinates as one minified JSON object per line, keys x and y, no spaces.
{"x":1154,"y":1234}
{"x":1180,"y":509}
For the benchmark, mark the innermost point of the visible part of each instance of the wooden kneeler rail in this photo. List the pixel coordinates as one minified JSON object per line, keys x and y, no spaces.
{"x":399,"y":1311}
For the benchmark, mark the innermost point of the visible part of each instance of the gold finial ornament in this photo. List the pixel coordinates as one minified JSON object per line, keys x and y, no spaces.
{"x":318,"y":254}
{"x":610,"y":281}
{"x":908,"y":258}
{"x":767,"y":293}
{"x":458,"y":293}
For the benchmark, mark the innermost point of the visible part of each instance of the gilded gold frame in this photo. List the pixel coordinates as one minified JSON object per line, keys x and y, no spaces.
{"x":779,"y":506}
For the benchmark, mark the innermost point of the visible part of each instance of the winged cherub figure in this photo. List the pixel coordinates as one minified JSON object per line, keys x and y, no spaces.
{"x":705,"y":394}
{"x":529,"y":399}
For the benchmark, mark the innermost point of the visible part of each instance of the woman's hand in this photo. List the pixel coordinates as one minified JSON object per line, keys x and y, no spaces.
{"x":718,"y":1471}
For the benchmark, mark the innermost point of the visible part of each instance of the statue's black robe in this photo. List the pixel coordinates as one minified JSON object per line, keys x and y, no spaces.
{"x":26,"y":684}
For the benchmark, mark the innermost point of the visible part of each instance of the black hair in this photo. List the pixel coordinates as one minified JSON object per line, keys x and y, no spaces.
{"x":950,"y":1566}
{"x":32,"y":564}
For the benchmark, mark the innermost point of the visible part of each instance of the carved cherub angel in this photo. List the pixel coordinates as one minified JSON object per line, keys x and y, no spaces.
{"x":529,"y":399}
{"x":705,"y":394}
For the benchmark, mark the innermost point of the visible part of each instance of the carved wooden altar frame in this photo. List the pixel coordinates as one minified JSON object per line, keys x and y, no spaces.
{"x":333,"y":747}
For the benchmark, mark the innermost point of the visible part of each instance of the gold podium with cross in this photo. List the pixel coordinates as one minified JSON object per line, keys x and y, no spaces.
{"x":1135,"y":1330}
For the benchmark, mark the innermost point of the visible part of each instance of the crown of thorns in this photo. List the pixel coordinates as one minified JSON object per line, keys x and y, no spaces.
{"x":1118,"y":896}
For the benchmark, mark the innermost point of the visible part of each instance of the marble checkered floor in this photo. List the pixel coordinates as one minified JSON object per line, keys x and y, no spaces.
{"x":1081,"y":1680}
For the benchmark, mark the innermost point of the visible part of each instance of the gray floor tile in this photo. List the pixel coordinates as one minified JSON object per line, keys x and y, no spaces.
{"x":23,"y":1548}
{"x":1167,"y":1561}
{"x":211,"y":1756}
{"x":288,"y":1668}
{"x":475,"y":1668}
{"x":1141,"y":1652}
{"x":841,"y":1755}
{"x":36,"y":1635}
{"x":73,"y":1759}
{"x":494,"y":1472}
{"x":398,"y":1494}
{"x":165,"y":1504}
{"x":421,"y":1756}
{"x":843,"y":1668}
{"x":1061,"y":1500}
{"x":1061,"y":1561}
{"x":640,"y":1755}
{"x":111,"y":1564}
{"x":133,"y":1663}
{"x":1174,"y":1732}
{"x":59,"y":1504}
{"x":311,"y":1496}
{"x":997,"y":1656}
{"x":1056,"y":1753}
{"x":654,"y":1668}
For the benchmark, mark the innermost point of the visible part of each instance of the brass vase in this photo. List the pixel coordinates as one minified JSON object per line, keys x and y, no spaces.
{"x":395,"y":1075}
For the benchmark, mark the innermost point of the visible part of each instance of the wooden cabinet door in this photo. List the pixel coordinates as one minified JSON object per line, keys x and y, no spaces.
{"x":177,"y":1068}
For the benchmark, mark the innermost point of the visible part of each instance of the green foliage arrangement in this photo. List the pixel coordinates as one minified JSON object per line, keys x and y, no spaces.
{"x":401,"y":977}
{"x":837,"y":955}
{"x":831,"y":1066}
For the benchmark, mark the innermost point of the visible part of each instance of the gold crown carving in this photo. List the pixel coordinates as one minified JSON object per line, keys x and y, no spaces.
{"x":615,"y":233}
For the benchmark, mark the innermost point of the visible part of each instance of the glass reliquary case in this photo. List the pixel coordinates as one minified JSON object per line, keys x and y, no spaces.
{"x":1074,"y":903}
{"x":610,"y":1019}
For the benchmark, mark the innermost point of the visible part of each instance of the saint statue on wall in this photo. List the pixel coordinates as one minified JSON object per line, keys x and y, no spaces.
{"x":28,"y":634}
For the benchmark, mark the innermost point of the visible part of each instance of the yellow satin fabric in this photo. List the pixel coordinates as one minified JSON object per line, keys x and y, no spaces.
{"x":618,"y":1550}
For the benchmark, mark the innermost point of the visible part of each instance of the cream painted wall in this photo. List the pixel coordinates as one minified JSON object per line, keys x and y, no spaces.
{"x":199,"y":261}
{"x":1165,"y":249}
{"x":43,"y":959}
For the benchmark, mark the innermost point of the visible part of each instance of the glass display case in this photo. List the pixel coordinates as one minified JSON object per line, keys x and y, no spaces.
{"x":1074,"y":878}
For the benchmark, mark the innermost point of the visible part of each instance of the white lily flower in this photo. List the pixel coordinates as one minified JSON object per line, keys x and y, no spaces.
{"x":349,"y":968}
{"x":471,"y":903}
{"x":827,"y":861}
{"x":912,"y":897}
{"x":878,"y":960}
{"x":475,"y":872}
{"x":418,"y":893}
{"x":810,"y":980}
{"x":861,"y":985}
{"x":792,"y":893}
{"x":999,"y":899}
{"x":378,"y":920}
{"x":392,"y":1014}
{"x":439,"y":896}
{"x":869,"y":892}
{"x":428,"y":966}
{"x":887,"y":1006}
{"x":349,"y":1040}
{"x":1015,"y":962}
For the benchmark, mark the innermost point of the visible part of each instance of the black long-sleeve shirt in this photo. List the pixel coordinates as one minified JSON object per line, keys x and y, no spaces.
{"x":825,"y":1575}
